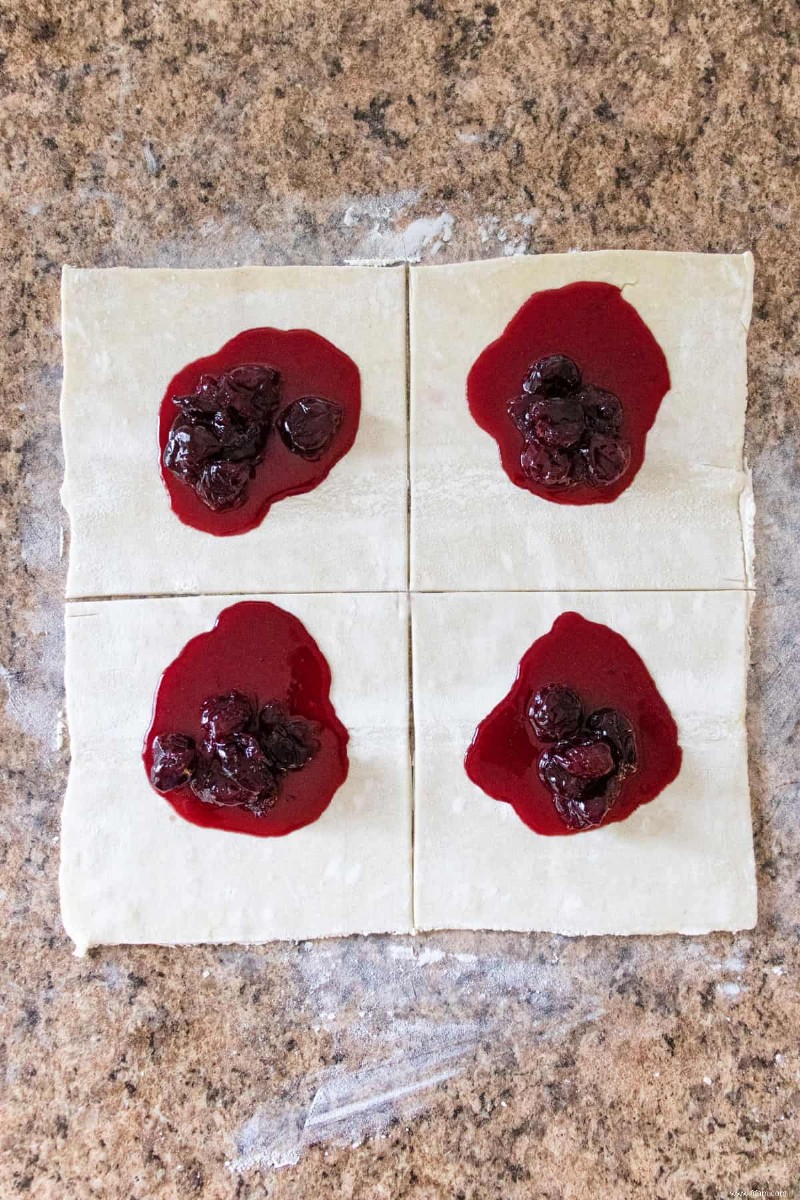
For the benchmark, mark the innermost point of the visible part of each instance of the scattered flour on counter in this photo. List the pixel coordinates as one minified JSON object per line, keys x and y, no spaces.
{"x":733,"y":964}
{"x":400,"y":1056}
{"x":510,"y":240}
{"x":61,"y":730}
{"x":378,"y":209}
{"x":427,"y":956}
{"x":354,"y":231}
{"x":152,"y":160}
{"x":32,"y":674}
{"x":382,"y":239}
{"x":347,"y":1107}
{"x":29,"y":689}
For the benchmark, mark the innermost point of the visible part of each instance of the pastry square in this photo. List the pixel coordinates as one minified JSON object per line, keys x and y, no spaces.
{"x":127,"y":332}
{"x":682,"y":863}
{"x":686,"y":519}
{"x":133,"y":871}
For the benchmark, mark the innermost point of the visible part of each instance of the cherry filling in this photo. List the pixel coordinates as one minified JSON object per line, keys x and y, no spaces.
{"x":265,"y":417}
{"x":572,"y":433}
{"x":575,"y":427}
{"x":309,"y":425}
{"x":244,"y":736}
{"x":586,"y":761}
{"x":582,"y":739}
{"x":244,"y":753}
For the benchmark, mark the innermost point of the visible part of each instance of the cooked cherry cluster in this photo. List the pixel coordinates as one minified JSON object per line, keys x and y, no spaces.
{"x":571,"y":428}
{"x":220,"y":432}
{"x":243,"y":755}
{"x":586,"y":758}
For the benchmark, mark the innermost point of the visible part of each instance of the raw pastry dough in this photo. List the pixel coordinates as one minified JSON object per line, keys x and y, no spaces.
{"x":127,"y":332}
{"x":683,"y":863}
{"x":133,"y":871}
{"x":677,"y":526}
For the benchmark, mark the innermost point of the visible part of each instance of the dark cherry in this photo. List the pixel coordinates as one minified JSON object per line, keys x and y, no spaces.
{"x":223,"y":716}
{"x":308,"y":425}
{"x":213,"y":785}
{"x":222,"y":485}
{"x":558,"y":779}
{"x":555,"y":712}
{"x":520,"y":409}
{"x":189,"y":447}
{"x":259,"y":806}
{"x":582,"y":803}
{"x":550,"y":468}
{"x":555,"y":375}
{"x":174,"y":761}
{"x":289,"y":742}
{"x":204,"y":400}
{"x":591,"y":809}
{"x":603,"y":410}
{"x":220,"y":433}
{"x":605,"y":459}
{"x":243,"y":760}
{"x":557,"y":421}
{"x":252,"y":391}
{"x":615,"y":729}
{"x":586,"y":758}
{"x":239,"y":439}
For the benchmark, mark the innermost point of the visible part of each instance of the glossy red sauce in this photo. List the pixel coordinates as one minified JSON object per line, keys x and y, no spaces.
{"x":594,"y":325}
{"x":606,"y":672}
{"x":265,"y":652}
{"x":309,"y":366}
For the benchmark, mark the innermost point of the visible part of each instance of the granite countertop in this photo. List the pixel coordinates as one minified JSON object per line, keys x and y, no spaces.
{"x":471,"y":1065}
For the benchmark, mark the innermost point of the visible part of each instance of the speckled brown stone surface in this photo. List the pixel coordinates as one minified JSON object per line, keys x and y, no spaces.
{"x":212,"y":133}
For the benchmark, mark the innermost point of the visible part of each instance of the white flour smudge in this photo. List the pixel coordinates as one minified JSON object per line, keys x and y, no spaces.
{"x":349,"y":1106}
{"x":403,"y":1057}
{"x":29,"y":690}
{"x":733,"y":964}
{"x":381,"y":238}
{"x":152,"y":160}
{"x":355,"y":230}
{"x":379,"y":209}
{"x":31,"y":676}
{"x":508,"y":240}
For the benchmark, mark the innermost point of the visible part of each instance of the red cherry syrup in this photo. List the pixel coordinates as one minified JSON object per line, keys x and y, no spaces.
{"x":265,"y":652}
{"x":308,"y":366}
{"x":606,"y":672}
{"x":595,"y":326}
